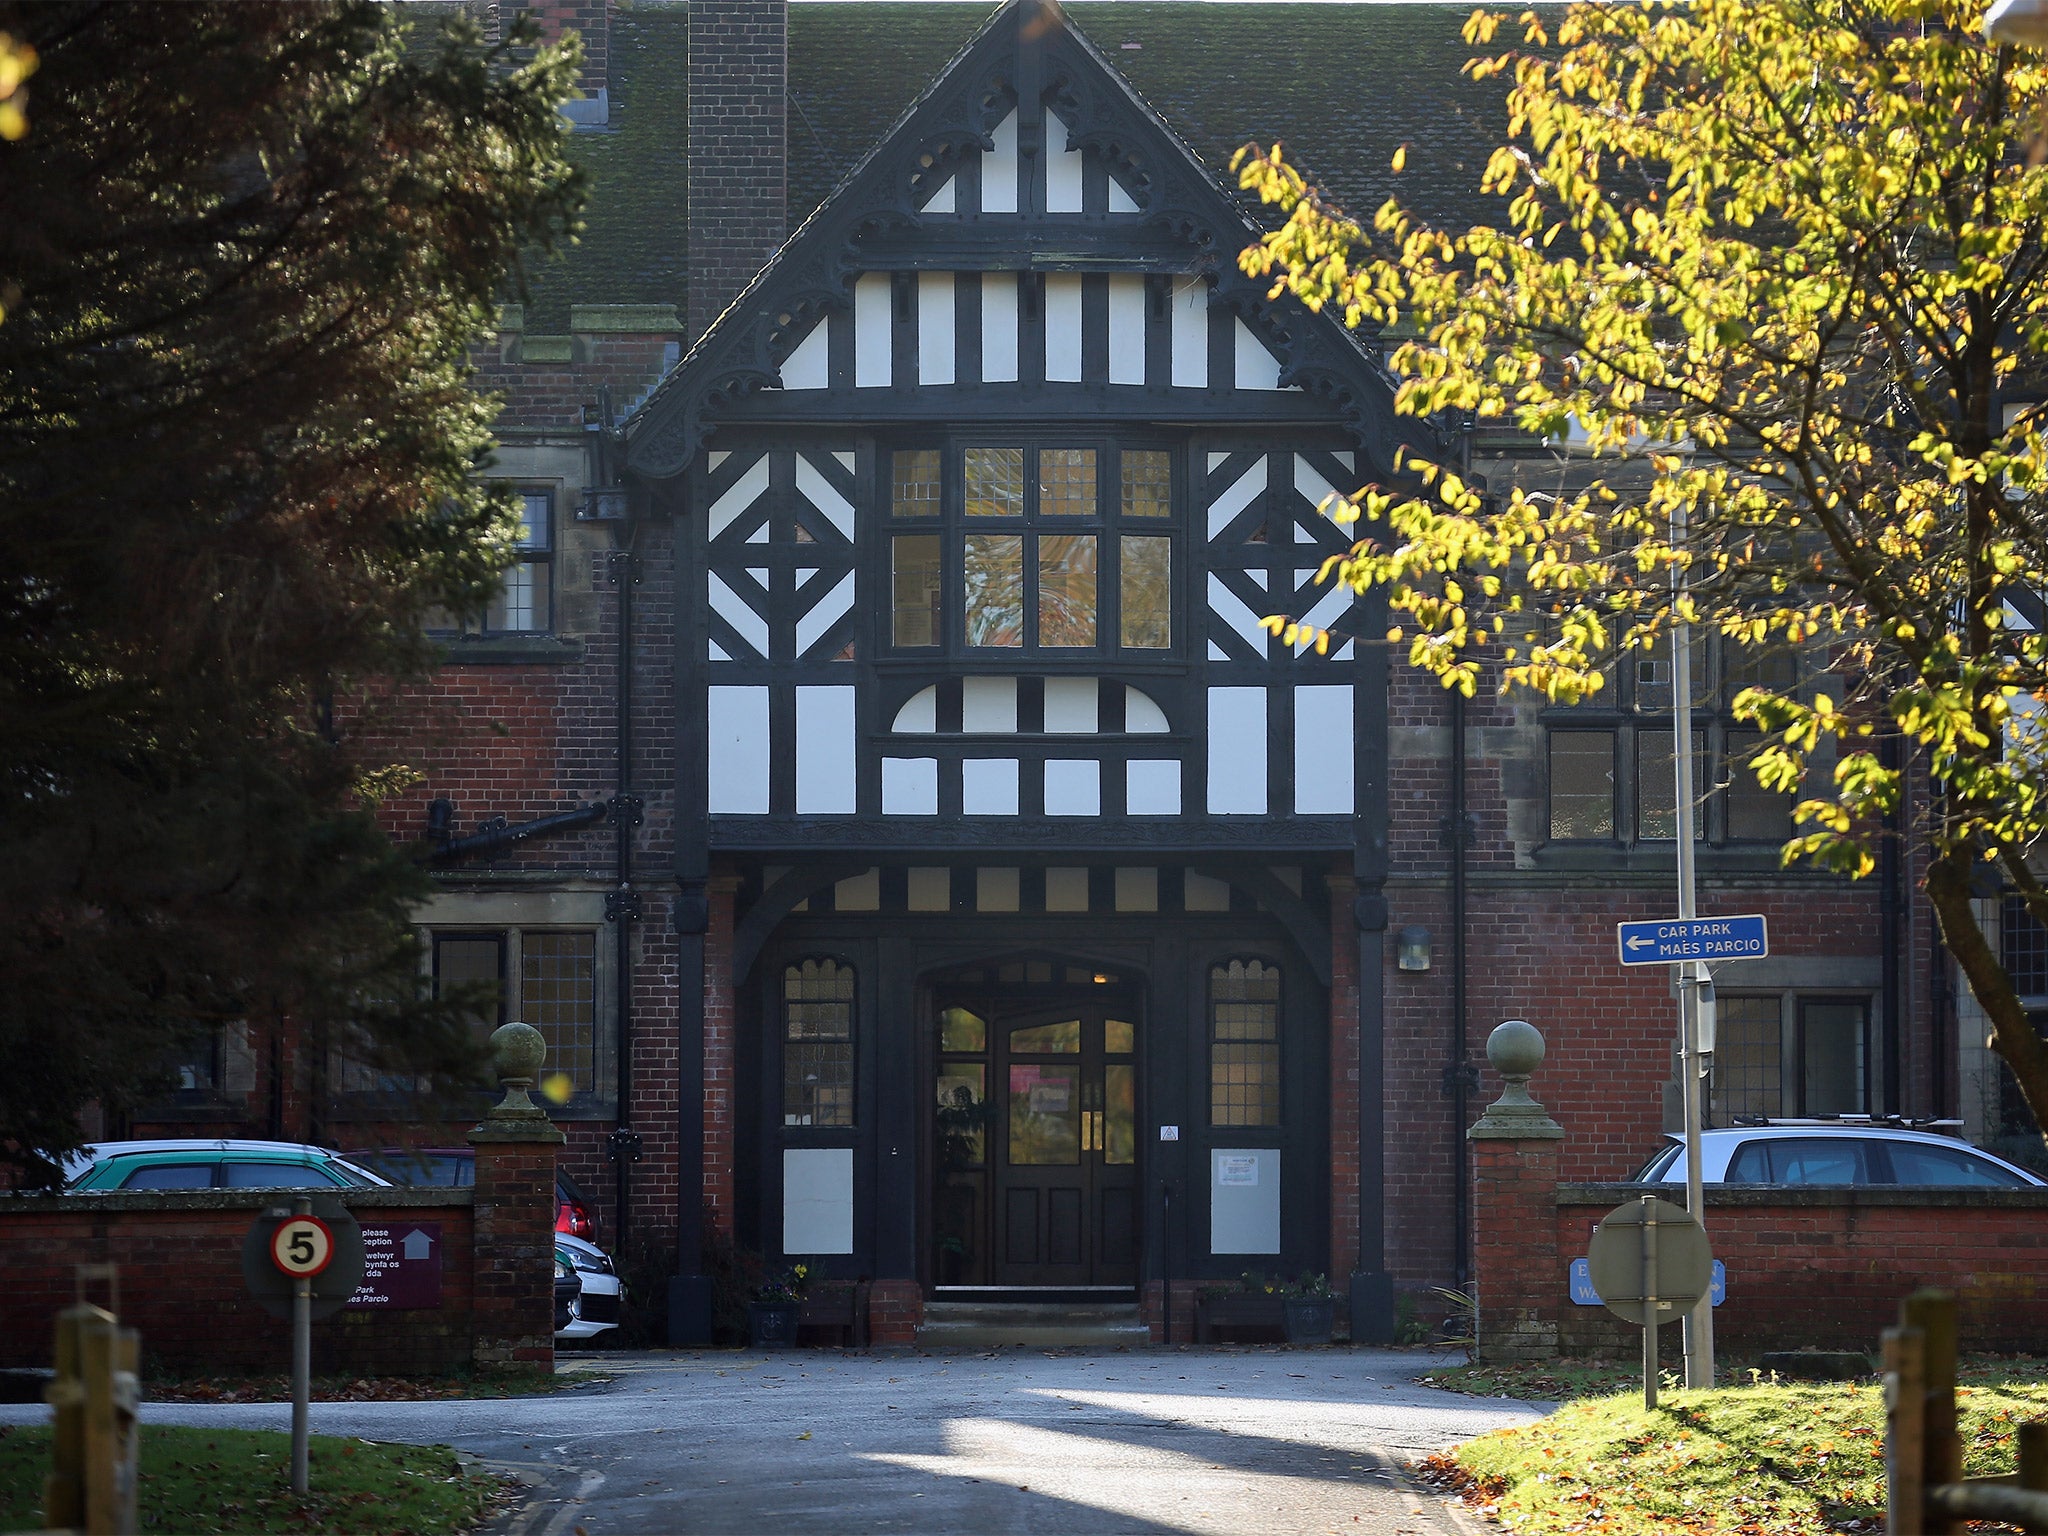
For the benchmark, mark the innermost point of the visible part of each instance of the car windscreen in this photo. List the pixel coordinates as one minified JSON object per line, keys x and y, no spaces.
{"x":273,"y":1176}
{"x":443,"y":1169}
{"x":1915,"y":1162}
{"x":1653,"y":1171}
{"x":1801,"y":1160}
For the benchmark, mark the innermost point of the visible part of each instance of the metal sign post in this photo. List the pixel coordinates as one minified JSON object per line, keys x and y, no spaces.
{"x":1649,"y":1263}
{"x":1649,"y":1270}
{"x":302,"y":1265}
{"x":301,"y":1248}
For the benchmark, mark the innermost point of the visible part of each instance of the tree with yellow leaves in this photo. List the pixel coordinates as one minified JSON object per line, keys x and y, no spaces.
{"x":1795,"y":253}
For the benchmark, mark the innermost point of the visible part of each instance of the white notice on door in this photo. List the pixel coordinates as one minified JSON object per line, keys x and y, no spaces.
{"x":1238,"y":1171}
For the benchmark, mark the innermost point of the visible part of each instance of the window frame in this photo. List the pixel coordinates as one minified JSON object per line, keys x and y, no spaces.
{"x":536,"y":556}
{"x":1222,"y":1130}
{"x":1109,"y":526}
{"x":784,"y":1041}
{"x":1620,"y":711}
{"x":1793,"y":1088}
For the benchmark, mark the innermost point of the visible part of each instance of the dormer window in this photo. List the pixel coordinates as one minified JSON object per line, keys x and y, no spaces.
{"x":1053,"y":548}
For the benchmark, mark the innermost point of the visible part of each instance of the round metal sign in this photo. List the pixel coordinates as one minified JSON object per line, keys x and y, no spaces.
{"x":273,"y":1285}
{"x":302,"y":1247}
{"x":1681,"y":1267}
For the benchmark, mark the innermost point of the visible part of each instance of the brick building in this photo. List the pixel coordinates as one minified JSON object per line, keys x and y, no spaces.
{"x":876,"y":781}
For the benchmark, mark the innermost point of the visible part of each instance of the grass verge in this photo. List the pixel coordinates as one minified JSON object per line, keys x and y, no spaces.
{"x":1758,"y":1460}
{"x":523,"y":1382}
{"x":203,"y":1481}
{"x":1560,"y":1381}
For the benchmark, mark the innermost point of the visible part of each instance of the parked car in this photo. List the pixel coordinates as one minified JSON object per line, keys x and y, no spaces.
{"x":215,"y":1164}
{"x":567,"y":1288}
{"x":455,"y":1168}
{"x":1814,"y":1152}
{"x":596,"y":1305}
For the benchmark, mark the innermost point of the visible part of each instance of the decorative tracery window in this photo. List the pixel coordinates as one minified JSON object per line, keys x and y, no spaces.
{"x":1244,"y":1043}
{"x":817,"y":1043}
{"x":1055,"y":548}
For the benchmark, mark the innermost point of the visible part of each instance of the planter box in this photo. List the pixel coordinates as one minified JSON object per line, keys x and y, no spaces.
{"x":844,"y":1308}
{"x":1241,"y":1313}
{"x":1311,"y":1320}
{"x":772,"y":1324}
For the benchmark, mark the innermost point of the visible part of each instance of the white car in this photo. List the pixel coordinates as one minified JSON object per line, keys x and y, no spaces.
{"x":596,"y":1307}
{"x":1832,"y":1154}
{"x":212,"y":1163}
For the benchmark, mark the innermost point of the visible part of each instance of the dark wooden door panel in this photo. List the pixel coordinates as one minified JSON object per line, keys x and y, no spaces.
{"x":1116,"y":1248}
{"x":1066,"y":1227}
{"x":1020,"y":1210}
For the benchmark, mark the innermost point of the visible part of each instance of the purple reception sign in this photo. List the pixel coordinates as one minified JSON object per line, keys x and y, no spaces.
{"x":401,"y":1267}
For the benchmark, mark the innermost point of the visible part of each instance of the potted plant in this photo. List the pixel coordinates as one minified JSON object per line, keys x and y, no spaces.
{"x":772,"y":1314}
{"x":1311,"y":1310}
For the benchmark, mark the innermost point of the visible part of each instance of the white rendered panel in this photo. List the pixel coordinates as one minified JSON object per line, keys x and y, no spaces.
{"x":715,"y":460}
{"x":873,"y":350}
{"x":818,"y":491}
{"x":910,"y":786}
{"x":1126,"y":329}
{"x":1120,"y":201}
{"x":1309,"y":482}
{"x":1217,"y":653}
{"x":825,"y":745}
{"x":1073,"y":788}
{"x":1063,"y":328}
{"x":1152,"y":787}
{"x":1237,"y":497}
{"x":807,"y":366}
{"x":760,"y":534}
{"x":934,"y":327}
{"x":732,"y":608}
{"x":997,"y":890}
{"x":825,"y":612}
{"x":858,"y":893}
{"x":1244,"y":1200}
{"x":1330,"y":607}
{"x":760,"y":573}
{"x":988,"y":786}
{"x":1322,"y":750}
{"x":715,"y":652}
{"x":1142,"y":714}
{"x":1257,"y":574}
{"x":803,"y":575}
{"x":988,"y":705}
{"x":1237,"y":751}
{"x":1203,"y":893}
{"x":1137,"y":890}
{"x":1062,"y":169}
{"x":919,"y":715}
{"x":941,"y":201}
{"x":844,"y":459}
{"x":1190,"y":333}
{"x":999,"y":327}
{"x":1066,"y":890}
{"x":1256,"y":367}
{"x":1070,"y":706}
{"x":1231,"y":609}
{"x":999,"y":169}
{"x":736,"y":749}
{"x":930,"y":888}
{"x":740,"y":495}
{"x":817,"y":1200}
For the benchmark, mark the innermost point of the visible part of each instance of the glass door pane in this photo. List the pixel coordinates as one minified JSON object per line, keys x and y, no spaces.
{"x":1045,"y":1116}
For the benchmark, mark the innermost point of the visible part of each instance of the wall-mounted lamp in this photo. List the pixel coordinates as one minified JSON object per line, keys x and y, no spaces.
{"x":1411,"y":949}
{"x":602,"y":504}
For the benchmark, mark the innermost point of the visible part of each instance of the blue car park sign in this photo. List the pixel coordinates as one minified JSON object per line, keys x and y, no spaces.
{"x":1671,"y":940}
{"x":1584,"y":1294}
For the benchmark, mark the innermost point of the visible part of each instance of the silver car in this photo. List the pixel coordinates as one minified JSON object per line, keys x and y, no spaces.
{"x":1823,"y":1153}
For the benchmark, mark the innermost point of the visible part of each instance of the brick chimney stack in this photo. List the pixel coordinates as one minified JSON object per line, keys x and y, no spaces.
{"x":739,"y":75}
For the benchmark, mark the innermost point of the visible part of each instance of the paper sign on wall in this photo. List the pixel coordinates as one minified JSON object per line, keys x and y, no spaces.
{"x":1238,"y":1172}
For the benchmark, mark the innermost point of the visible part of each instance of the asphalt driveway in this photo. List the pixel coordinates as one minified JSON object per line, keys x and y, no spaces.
{"x":1198,"y":1441}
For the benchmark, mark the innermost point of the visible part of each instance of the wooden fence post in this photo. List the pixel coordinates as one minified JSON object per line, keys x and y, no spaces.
{"x":2033,"y":1464}
{"x":1934,"y":1314}
{"x":1905,"y":1429}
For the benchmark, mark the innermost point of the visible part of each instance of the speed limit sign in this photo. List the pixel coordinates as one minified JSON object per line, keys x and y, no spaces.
{"x":302,"y":1246}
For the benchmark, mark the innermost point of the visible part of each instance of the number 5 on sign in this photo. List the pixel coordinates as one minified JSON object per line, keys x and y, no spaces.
{"x":302,"y":1247}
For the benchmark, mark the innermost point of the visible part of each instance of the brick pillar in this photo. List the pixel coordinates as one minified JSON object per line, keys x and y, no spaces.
{"x":720,"y":1028}
{"x":895,"y":1308}
{"x":1515,"y":1271}
{"x":513,"y":1251}
{"x":739,"y":69}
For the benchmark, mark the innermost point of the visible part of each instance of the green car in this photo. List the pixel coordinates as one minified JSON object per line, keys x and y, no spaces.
{"x":215,"y":1165}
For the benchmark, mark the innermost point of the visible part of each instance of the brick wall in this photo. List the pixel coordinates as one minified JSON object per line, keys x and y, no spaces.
{"x":720,"y":1060}
{"x":895,"y":1308}
{"x":739,"y":63}
{"x":179,"y":1256}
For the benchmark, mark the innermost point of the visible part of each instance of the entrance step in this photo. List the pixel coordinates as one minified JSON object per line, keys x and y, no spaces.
{"x":1033,"y":1324}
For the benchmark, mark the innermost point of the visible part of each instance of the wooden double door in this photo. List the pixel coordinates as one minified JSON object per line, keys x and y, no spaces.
{"x":1038,"y":1116}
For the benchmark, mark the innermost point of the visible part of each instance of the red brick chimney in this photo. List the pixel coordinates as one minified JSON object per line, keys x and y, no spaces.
{"x":739,"y":75}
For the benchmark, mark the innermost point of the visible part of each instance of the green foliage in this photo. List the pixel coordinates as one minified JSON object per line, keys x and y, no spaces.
{"x":202,"y":1480}
{"x":1763,"y":1458}
{"x":1787,"y":256}
{"x":243,"y":254}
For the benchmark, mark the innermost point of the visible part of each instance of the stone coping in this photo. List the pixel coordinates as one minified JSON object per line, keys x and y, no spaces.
{"x":94,"y":1202}
{"x":1739,"y":1196}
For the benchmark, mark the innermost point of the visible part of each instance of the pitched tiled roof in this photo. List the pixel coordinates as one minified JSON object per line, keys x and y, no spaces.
{"x":1343,"y":85}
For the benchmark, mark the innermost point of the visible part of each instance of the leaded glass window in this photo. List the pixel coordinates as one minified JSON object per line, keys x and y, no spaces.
{"x":817,"y":1043}
{"x":1244,"y":1043}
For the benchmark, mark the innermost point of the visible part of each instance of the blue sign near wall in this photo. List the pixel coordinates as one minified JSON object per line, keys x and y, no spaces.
{"x":1584,"y":1294}
{"x":1670,"y":940}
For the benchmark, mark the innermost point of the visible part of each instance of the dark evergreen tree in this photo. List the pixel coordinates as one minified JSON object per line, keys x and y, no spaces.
{"x":244,"y":250}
